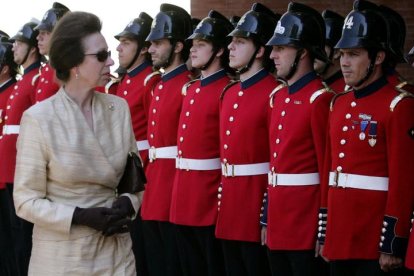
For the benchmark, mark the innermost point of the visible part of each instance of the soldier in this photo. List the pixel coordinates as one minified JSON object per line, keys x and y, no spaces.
{"x":133,"y":56}
{"x":194,"y":198}
{"x":169,"y":51}
{"x":26,"y":54}
{"x":244,"y":144}
{"x":48,"y":84}
{"x":299,"y":113}
{"x":330,"y":71}
{"x":369,"y":159}
{"x":8,"y":72}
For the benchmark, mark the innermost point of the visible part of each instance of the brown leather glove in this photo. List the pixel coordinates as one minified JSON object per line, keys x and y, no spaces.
{"x":123,"y":206}
{"x":98,"y":218}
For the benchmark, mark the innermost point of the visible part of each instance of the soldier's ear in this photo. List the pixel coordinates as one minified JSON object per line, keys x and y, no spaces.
{"x":380,"y":57}
{"x":144,"y":50}
{"x":220,"y":52}
{"x":260,"y":53}
{"x":178,"y":47}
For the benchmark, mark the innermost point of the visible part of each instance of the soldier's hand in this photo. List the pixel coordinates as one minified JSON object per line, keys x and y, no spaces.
{"x":389,"y":262}
{"x":263,"y":235}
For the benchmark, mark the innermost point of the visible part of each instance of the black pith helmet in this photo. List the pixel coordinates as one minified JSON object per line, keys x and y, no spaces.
{"x":302,"y":27}
{"x":27,"y":34}
{"x":172,"y":22}
{"x":4,"y":36}
{"x":137,"y":29}
{"x":364,"y":29}
{"x":194,"y":22}
{"x":6,"y":56}
{"x":51,"y":17}
{"x":258,"y":24}
{"x":215,"y":28}
{"x":397,"y":32}
{"x":333,"y":27}
{"x":234,"y":20}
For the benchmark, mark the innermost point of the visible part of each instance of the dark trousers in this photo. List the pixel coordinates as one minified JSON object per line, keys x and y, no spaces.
{"x":161,"y":248}
{"x":200,"y":251}
{"x":8,"y":260}
{"x":362,"y":268}
{"x":138,"y":248}
{"x":18,"y":234}
{"x":245,"y":258}
{"x":293,"y":263}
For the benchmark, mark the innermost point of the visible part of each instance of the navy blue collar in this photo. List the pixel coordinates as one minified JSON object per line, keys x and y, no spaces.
{"x":300,"y":83}
{"x":334,"y":77}
{"x":34,"y":65}
{"x":212,"y":78}
{"x":139,"y":69}
{"x":180,"y":69}
{"x":7,"y":84}
{"x":371,"y":88}
{"x":254,"y":79}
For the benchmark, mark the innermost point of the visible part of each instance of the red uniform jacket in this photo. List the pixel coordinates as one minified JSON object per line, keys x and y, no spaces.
{"x":5,"y":91}
{"x":138,"y":96}
{"x":194,"y":198}
{"x":336,"y":82}
{"x":20,"y":99}
{"x":297,"y":146}
{"x":47,"y":83}
{"x":361,"y":223}
{"x":244,"y":139}
{"x":163,"y":116}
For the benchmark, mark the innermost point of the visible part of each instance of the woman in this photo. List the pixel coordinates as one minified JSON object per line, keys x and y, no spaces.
{"x":72,"y":151}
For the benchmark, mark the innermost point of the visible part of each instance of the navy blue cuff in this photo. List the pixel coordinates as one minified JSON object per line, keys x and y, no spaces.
{"x":390,"y":243}
{"x":323,"y":218}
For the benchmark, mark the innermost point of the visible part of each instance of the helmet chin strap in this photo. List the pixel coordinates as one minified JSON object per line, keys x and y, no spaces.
{"x":210,"y":60}
{"x":294,"y":65}
{"x":249,"y":64}
{"x":372,"y":56}
{"x":26,"y":56}
{"x":134,"y":59}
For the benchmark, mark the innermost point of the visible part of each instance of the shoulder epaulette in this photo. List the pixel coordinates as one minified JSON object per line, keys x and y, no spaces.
{"x":230,"y":84}
{"x":185,"y":87}
{"x":110,"y":83}
{"x":317,"y":93}
{"x":336,"y":97}
{"x":403,"y":94}
{"x":150,"y":76}
{"x":274,"y":91}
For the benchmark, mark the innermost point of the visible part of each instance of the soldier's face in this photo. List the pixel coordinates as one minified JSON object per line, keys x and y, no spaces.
{"x":200,"y":52}
{"x":127,"y":49}
{"x":319,"y":65}
{"x":20,"y":50}
{"x":160,"y":51}
{"x":283,"y":57}
{"x":241,"y":51}
{"x":354,"y":65}
{"x":43,"y":42}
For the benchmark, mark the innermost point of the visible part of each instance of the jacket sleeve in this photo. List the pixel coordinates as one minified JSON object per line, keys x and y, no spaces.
{"x":30,"y":186}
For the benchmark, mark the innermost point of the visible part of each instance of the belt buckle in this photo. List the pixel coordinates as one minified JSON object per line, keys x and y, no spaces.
{"x":336,"y":178}
{"x":152,"y":153}
{"x":272,"y":178}
{"x":226,"y":166}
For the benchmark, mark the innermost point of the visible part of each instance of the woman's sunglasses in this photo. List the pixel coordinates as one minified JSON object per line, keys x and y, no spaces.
{"x":101,"y":56}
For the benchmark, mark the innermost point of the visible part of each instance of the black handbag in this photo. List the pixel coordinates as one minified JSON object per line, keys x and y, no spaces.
{"x":133,"y":180}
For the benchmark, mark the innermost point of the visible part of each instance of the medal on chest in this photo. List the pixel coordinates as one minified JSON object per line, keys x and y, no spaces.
{"x":363,"y":126}
{"x":372,"y":133}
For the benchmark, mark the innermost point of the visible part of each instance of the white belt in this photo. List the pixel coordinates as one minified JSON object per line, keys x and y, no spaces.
{"x":143,"y":145}
{"x":303,"y":179}
{"x":244,"y":170}
{"x":11,"y":129}
{"x":347,"y":180}
{"x":162,"y":153}
{"x":197,"y":164}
